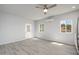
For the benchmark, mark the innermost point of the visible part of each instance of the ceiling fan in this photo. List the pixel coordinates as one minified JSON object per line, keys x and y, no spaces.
{"x":45,"y":7}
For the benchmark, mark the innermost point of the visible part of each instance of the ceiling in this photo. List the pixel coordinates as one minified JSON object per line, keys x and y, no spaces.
{"x":28,"y":11}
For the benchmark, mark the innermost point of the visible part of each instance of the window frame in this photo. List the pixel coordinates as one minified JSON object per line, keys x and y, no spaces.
{"x":41,"y":26}
{"x":65,"y":22}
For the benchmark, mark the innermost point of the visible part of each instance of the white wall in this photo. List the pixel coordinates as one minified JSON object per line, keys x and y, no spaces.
{"x":52,"y":28}
{"x":12,"y":28}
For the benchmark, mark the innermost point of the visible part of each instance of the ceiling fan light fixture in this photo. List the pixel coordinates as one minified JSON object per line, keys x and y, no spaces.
{"x":45,"y":11}
{"x":45,"y":7}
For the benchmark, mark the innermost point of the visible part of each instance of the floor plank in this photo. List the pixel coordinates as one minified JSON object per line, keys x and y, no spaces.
{"x":36,"y":46}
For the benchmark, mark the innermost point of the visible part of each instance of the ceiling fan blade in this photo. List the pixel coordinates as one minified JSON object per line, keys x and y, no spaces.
{"x":52,"y":6}
{"x":42,"y":6}
{"x":39,"y":7}
{"x":45,"y":6}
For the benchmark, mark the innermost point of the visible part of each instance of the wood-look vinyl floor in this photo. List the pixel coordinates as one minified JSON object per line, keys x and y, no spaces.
{"x":36,"y":47}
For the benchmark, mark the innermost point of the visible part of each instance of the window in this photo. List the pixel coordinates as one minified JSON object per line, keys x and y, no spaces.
{"x":66,"y":25}
{"x":41,"y":27}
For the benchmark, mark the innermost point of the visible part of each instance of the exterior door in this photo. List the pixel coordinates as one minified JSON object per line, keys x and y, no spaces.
{"x":28,"y":31}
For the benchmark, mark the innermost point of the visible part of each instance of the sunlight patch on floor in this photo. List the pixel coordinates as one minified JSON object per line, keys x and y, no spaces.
{"x":57,"y":43}
{"x":35,"y":39}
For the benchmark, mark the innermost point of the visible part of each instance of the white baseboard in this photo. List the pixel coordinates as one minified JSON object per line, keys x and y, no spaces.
{"x":3,"y":43}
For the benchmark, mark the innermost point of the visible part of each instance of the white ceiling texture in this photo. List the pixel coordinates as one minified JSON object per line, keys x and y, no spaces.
{"x":29,"y":11}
